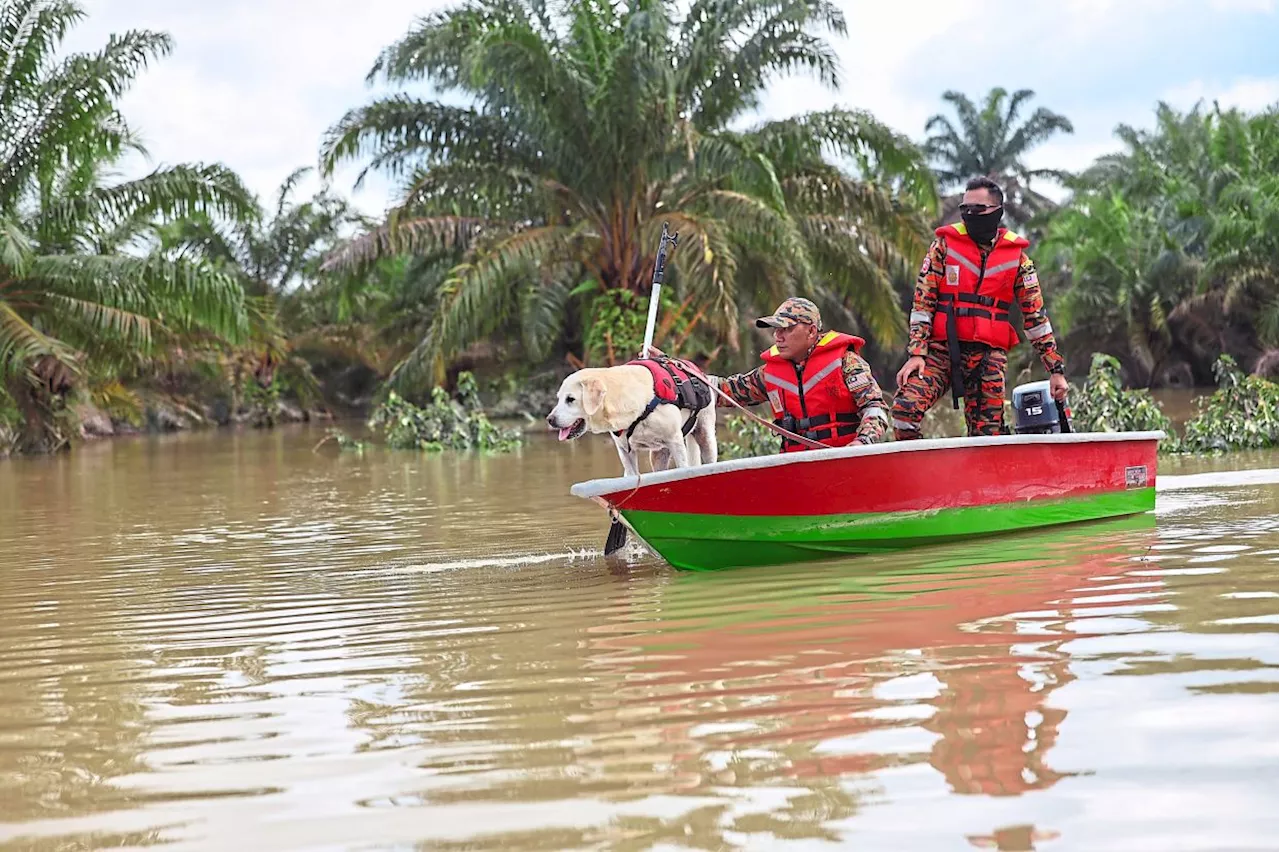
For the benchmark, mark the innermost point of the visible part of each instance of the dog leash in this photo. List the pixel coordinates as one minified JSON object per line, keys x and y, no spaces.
{"x":799,"y":439}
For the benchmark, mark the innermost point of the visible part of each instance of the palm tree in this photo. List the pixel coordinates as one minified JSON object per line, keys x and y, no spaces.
{"x":272,"y":249}
{"x":272,"y":254}
{"x":591,"y":126}
{"x":991,"y":142}
{"x":1127,"y":276}
{"x":1191,"y":206}
{"x":67,"y":296}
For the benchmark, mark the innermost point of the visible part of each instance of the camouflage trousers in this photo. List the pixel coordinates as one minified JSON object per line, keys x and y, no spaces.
{"x":983,"y":370}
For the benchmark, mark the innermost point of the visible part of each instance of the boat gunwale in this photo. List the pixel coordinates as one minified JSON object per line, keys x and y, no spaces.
{"x":595,"y":489}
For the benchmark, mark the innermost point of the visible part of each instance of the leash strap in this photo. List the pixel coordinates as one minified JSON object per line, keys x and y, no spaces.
{"x":690,"y":367}
{"x":799,"y":439}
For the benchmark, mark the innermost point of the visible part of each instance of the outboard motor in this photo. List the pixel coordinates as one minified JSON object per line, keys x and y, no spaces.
{"x":1036,"y":412}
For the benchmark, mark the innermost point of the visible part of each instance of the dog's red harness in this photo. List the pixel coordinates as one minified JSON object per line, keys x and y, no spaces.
{"x":677,"y":383}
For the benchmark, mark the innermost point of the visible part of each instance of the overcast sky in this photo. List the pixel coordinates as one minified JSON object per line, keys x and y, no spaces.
{"x":255,"y":83}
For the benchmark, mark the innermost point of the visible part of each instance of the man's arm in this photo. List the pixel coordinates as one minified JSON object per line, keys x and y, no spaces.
{"x":925,"y":300}
{"x":868,"y":400}
{"x":1026,"y":289}
{"x":746,"y":388}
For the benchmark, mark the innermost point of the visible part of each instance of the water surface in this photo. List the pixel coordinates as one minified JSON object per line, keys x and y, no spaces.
{"x":229,"y":641}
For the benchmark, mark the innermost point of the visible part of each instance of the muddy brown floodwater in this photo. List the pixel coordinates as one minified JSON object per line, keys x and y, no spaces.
{"x":228,"y":641}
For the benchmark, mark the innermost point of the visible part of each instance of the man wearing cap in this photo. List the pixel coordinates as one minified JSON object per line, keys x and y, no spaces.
{"x":816,"y":382}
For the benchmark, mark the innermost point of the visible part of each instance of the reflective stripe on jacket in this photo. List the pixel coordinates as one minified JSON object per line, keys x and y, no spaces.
{"x":978,"y":288}
{"x":813,"y":400}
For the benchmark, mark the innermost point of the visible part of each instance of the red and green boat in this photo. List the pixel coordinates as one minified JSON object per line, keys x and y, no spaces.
{"x":819,"y":504}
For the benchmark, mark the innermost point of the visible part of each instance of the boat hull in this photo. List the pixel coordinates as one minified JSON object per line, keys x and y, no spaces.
{"x":818,"y":504}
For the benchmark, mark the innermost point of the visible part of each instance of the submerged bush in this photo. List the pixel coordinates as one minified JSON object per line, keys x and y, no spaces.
{"x":443,"y":424}
{"x":1243,"y":414}
{"x":1104,"y":405}
{"x":345,"y":442}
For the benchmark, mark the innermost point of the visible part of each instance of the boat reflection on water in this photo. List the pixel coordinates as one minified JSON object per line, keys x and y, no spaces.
{"x":947,"y":657}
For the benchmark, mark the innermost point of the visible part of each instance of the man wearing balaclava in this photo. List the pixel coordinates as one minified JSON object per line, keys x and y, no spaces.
{"x":960,"y":329}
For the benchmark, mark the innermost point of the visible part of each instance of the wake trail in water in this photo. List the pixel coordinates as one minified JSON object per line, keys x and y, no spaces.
{"x":1222,"y":479}
{"x":518,"y":560}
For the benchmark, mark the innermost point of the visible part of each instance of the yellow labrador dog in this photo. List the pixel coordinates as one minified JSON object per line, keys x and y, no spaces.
{"x":621,"y":399}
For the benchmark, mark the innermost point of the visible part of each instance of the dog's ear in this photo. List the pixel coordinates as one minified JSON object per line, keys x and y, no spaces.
{"x":592,"y":395}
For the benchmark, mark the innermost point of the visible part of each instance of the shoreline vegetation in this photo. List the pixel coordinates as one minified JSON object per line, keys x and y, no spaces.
{"x":522,"y":239}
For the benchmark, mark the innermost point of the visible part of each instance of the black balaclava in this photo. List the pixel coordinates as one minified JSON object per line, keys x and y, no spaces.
{"x":982,"y":227}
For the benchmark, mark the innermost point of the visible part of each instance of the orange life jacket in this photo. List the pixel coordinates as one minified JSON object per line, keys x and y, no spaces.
{"x":813,"y":400}
{"x":977,"y":291}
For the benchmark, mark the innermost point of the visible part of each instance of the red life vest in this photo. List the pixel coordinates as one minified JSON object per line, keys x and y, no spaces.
{"x":667,"y":375}
{"x":676,"y":382}
{"x":978,"y":290}
{"x":813,"y":402}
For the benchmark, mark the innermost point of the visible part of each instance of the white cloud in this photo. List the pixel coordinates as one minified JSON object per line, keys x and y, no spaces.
{"x":883,"y":45}
{"x":1247,"y":93}
{"x":255,"y":83}
{"x":1228,"y":6}
{"x":892,"y":48}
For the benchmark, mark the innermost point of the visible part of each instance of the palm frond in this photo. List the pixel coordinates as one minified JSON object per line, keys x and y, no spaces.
{"x":66,"y":110}
{"x":21,"y":343}
{"x":543,"y":306}
{"x":16,"y":249}
{"x":131,"y":329}
{"x":179,"y":192}
{"x":473,"y":291}
{"x":179,"y":294}
{"x":399,"y":131}
{"x":855,"y":266}
{"x":287,"y":186}
{"x":409,"y":236}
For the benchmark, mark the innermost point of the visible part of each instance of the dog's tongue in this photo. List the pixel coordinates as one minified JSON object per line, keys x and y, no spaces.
{"x":564,"y":433}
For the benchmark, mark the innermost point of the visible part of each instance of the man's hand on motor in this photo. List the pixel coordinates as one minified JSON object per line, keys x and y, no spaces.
{"x":1058,"y":386}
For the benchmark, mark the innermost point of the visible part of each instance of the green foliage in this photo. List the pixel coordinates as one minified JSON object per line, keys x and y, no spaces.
{"x":595,"y":122}
{"x":444,"y":423}
{"x":117,"y":401}
{"x":1128,"y":274}
{"x":1168,"y":251}
{"x":616,"y":322}
{"x":72,"y":296}
{"x":615,"y":326}
{"x":10,"y":423}
{"x":1243,"y":414}
{"x":1104,"y":405}
{"x":263,"y":402}
{"x":749,"y":439}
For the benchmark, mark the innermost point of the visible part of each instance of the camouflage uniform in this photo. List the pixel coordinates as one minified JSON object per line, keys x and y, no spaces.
{"x":749,"y":388}
{"x":983,"y":367}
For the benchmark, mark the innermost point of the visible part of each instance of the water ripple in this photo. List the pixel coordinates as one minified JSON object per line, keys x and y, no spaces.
{"x":308,"y":651}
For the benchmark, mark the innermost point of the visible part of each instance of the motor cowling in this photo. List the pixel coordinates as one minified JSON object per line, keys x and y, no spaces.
{"x":1036,"y":412}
